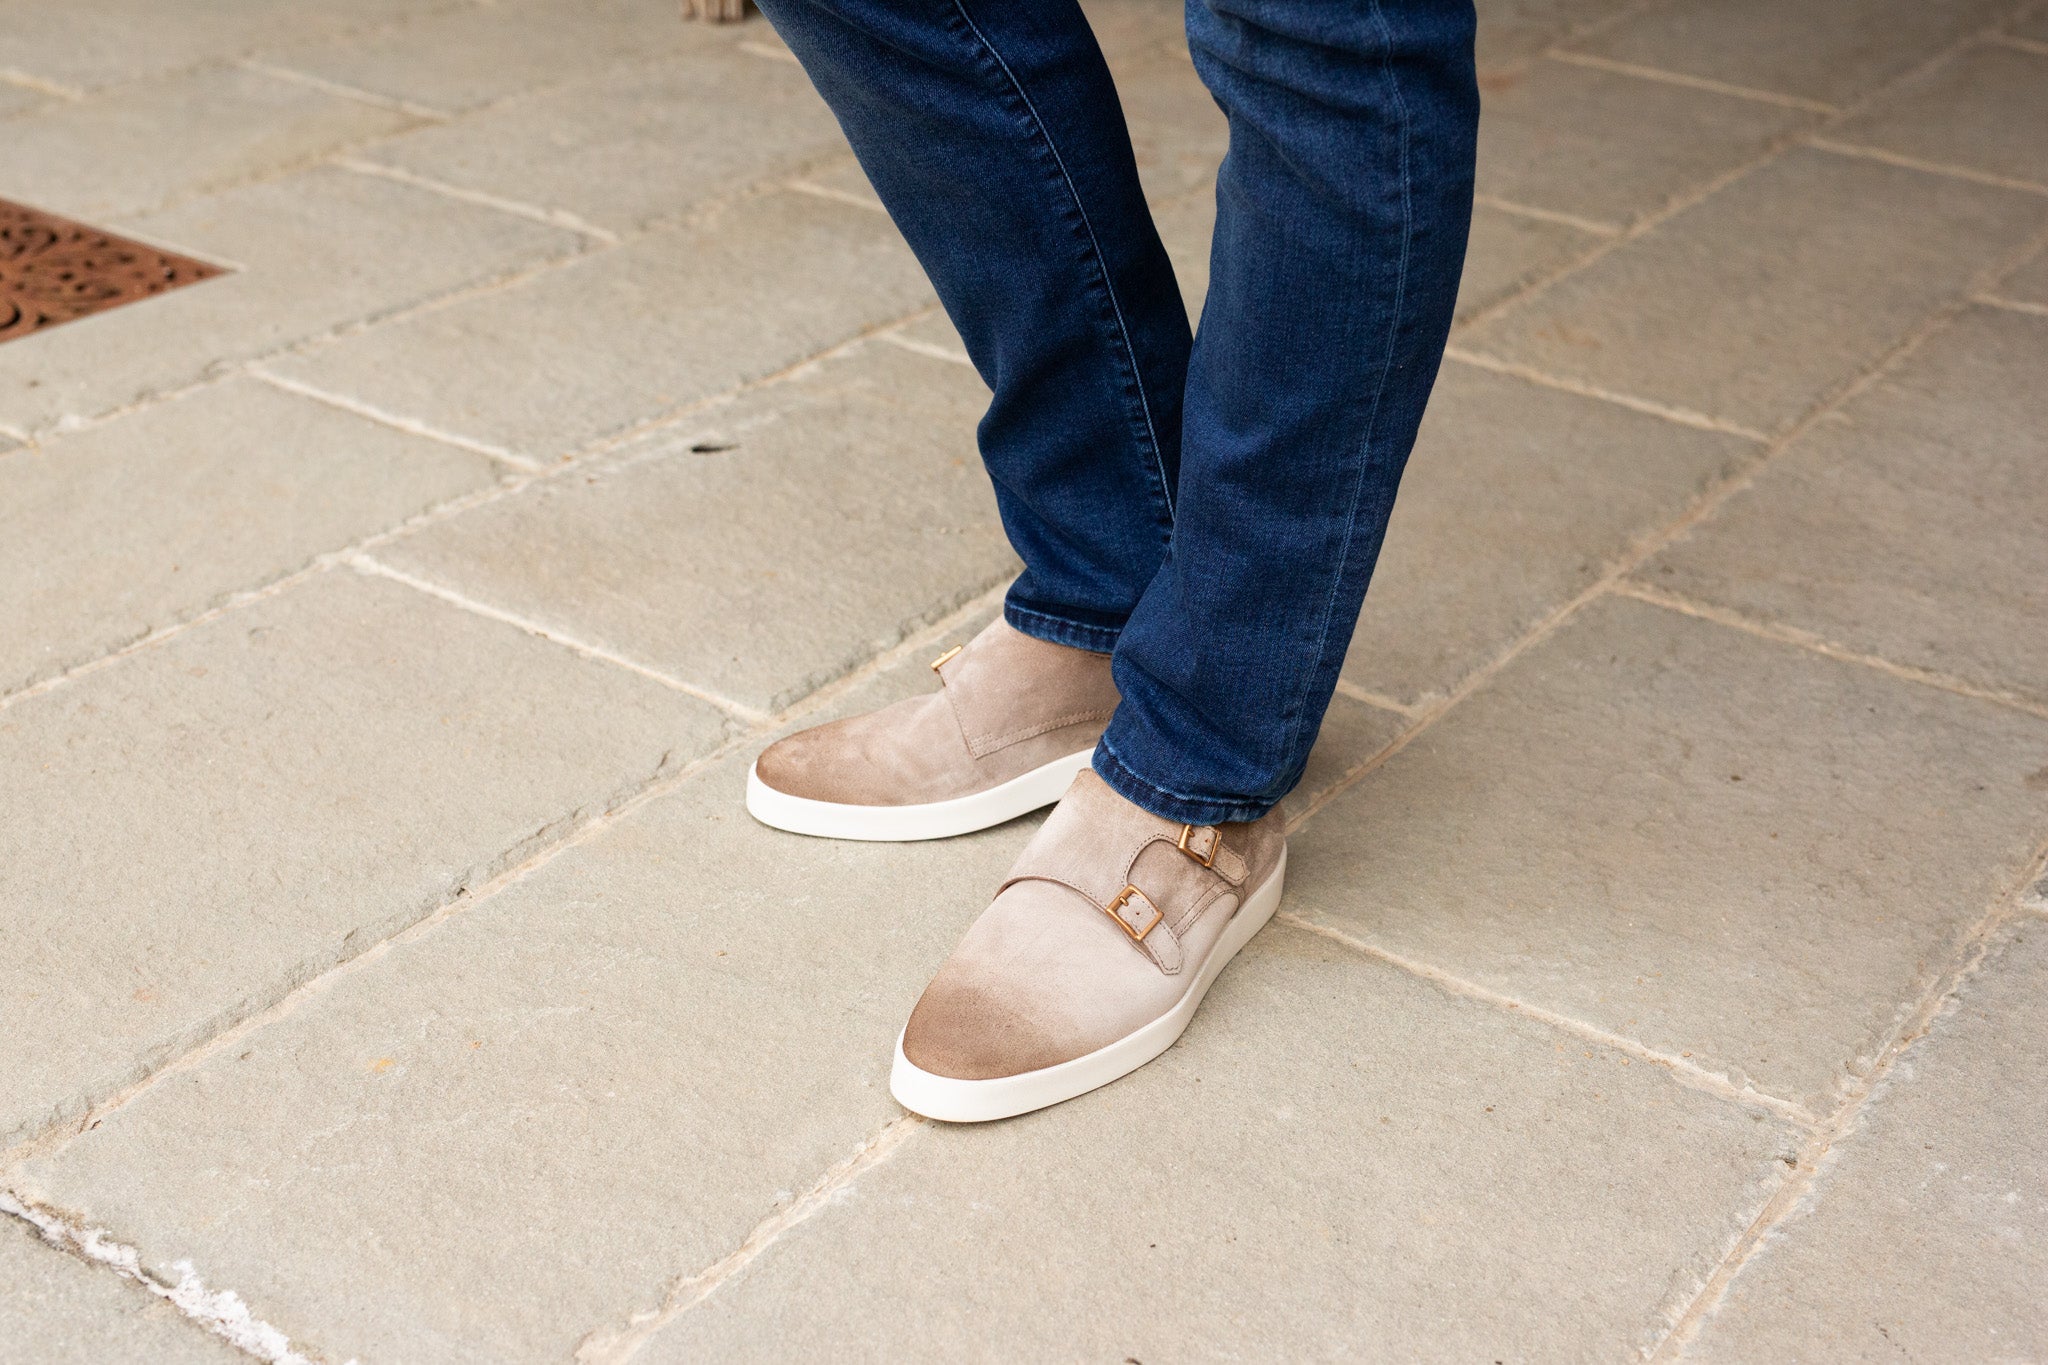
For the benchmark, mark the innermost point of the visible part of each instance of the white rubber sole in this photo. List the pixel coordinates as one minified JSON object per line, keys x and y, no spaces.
{"x":933,"y":820}
{"x":957,"y":1101}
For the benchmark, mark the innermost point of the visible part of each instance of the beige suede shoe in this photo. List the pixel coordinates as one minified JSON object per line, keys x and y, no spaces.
{"x":1092,"y":959}
{"x":1014,"y":719}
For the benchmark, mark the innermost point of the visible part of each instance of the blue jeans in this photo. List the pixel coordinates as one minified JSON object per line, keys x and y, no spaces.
{"x":1208,"y":508}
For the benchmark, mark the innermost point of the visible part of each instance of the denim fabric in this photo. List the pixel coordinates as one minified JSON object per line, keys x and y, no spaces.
{"x":1208,"y":510}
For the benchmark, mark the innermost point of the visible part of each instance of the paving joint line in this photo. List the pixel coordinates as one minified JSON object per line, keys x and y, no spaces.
{"x":615,"y":1347}
{"x":1670,"y":412}
{"x":2039,"y":310}
{"x":344,"y":91}
{"x":1687,"y":1072}
{"x":1774,"y":150}
{"x":1865,"y":152}
{"x":696,"y":216}
{"x":1379,"y":700}
{"x":1815,"y":644}
{"x":519,"y":208}
{"x":15,"y":76}
{"x":769,"y":51}
{"x":748,"y":716}
{"x":930,"y":350}
{"x":283,"y":583}
{"x":1662,"y":76}
{"x":837,"y":196}
{"x":221,"y":60}
{"x":1597,"y":226}
{"x":219,"y":1312}
{"x":1802,"y":1190}
{"x":397,"y":421}
{"x":288,"y":167}
{"x":344,"y":159}
{"x":1561,"y":35}
{"x":1645,"y":547}
{"x":575,"y":829}
{"x":232,"y":602}
{"x":576,"y":461}
{"x":224,"y":370}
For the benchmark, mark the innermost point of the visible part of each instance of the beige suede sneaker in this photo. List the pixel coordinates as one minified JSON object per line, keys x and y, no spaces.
{"x":1012,"y":722}
{"x":1091,"y":960}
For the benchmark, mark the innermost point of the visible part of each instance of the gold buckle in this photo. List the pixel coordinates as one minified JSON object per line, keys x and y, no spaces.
{"x":1123,"y":898}
{"x":1187,"y":832}
{"x":946,"y":658}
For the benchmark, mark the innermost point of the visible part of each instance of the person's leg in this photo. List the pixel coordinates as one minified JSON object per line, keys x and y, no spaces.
{"x":1342,"y":212}
{"x":1343,"y":206}
{"x":994,"y":137}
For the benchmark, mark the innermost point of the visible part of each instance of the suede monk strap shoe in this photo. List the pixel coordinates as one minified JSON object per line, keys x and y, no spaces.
{"x":1012,"y":722}
{"x":1091,"y":960}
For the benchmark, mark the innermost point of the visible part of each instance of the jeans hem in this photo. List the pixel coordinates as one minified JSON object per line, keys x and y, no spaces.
{"x":1061,"y":630}
{"x":1169,"y":805}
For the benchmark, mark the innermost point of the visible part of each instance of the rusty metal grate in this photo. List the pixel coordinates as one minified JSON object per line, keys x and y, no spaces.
{"x":53,"y":270}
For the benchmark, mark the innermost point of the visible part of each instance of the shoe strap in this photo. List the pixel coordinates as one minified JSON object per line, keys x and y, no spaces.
{"x":1095,"y":858}
{"x":984,"y":704}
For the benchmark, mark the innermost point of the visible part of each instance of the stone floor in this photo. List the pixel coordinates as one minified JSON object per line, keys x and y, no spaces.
{"x":388,"y":972}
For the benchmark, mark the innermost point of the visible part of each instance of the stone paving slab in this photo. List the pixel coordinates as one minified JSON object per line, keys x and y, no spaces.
{"x":186,"y":836}
{"x":625,"y":336}
{"x":147,"y":520}
{"x":1828,"y":50}
{"x":1508,"y":251}
{"x":458,"y":57}
{"x":636,"y":146}
{"x":144,"y":145}
{"x":2028,"y":284}
{"x":15,"y":98}
{"x":929,"y":335}
{"x":1512,"y":32}
{"x":1124,"y":27}
{"x":109,"y":41}
{"x":1733,"y":851}
{"x":309,"y":252}
{"x":1516,"y":499}
{"x":1986,"y":111}
{"x":515,"y":1133}
{"x":596,"y":1035}
{"x":1916,"y":527}
{"x":841,"y":176}
{"x":1773,"y":293}
{"x":831,"y":515}
{"x":1299,"y":1178}
{"x":657,"y":1039}
{"x":58,"y":1310}
{"x":1927,"y":1238}
{"x":1353,"y":731}
{"x":1613,"y":147}
{"x":1177,"y":132}
{"x":1186,"y":224}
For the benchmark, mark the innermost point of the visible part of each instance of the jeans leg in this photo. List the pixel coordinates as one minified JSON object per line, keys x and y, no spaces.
{"x":993,"y":135}
{"x":1342,"y":212}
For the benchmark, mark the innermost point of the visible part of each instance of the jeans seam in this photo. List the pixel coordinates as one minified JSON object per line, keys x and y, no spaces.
{"x":1094,"y":245}
{"x":1379,"y":389}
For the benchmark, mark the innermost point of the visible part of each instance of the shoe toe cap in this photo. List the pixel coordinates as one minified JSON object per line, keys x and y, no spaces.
{"x":970,"y":1030}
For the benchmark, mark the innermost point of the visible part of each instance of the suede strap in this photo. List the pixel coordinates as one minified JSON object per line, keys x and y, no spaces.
{"x":1094,"y":857}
